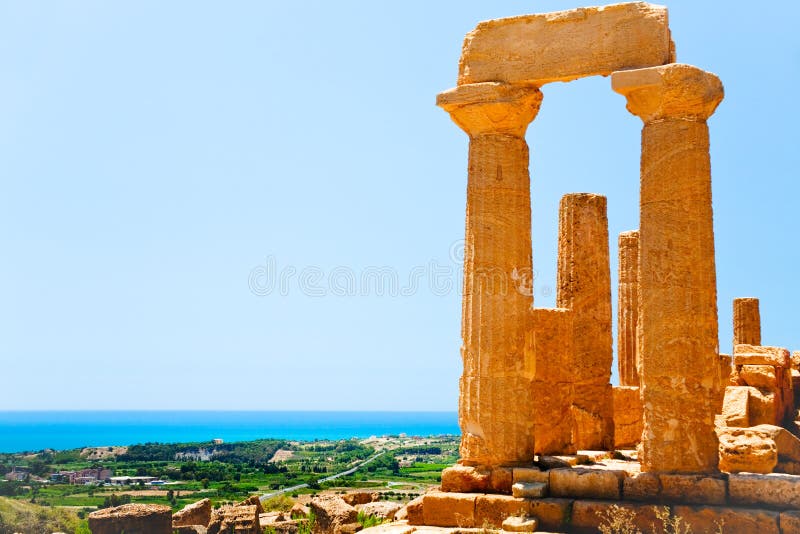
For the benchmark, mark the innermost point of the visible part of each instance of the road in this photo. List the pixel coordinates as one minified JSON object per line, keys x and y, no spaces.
{"x":326,"y":479}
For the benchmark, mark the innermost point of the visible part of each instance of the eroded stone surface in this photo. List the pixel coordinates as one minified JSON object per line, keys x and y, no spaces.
{"x":693,"y":488}
{"x":198,"y":513}
{"x":579,"y":482}
{"x":627,"y":417}
{"x":584,"y":286}
{"x":742,"y":520}
{"x":132,"y":519}
{"x":449,"y":509}
{"x":678,"y":311}
{"x":628,"y":309}
{"x":332,"y":514}
{"x":778,"y":490}
{"x":746,"y":322}
{"x":588,"y":515}
{"x":495,"y":389}
{"x":743,"y":449}
{"x":565,"y":45}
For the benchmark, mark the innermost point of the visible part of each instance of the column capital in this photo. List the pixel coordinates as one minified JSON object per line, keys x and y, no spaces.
{"x":492,"y":107}
{"x":672,"y":91}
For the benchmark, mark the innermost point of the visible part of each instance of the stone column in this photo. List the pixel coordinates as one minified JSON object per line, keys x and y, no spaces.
{"x":678,"y":295}
{"x":495,"y":388}
{"x":628,"y":309}
{"x":584,"y":286}
{"x":746,"y":322}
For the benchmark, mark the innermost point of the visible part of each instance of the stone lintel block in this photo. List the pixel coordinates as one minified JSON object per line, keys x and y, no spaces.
{"x":738,"y":520}
{"x":442,"y":509}
{"x":520,"y":524}
{"x":641,"y":487}
{"x":588,"y":515}
{"x":529,"y":490}
{"x":764,"y":407}
{"x":492,"y":107}
{"x":790,"y":522}
{"x":694,"y":489}
{"x":580,"y":482}
{"x":673,"y":91}
{"x":761,"y":355}
{"x":787,"y":443}
{"x":735,"y":406}
{"x":566,"y":45}
{"x":759,"y":376}
{"x":774,"y":490}
{"x":530,"y":474}
{"x":494,"y":509}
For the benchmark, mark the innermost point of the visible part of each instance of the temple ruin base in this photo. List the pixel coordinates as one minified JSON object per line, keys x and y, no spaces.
{"x":579,"y":493}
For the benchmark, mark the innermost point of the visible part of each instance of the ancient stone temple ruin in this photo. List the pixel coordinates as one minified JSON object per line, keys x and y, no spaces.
{"x":547,"y":442}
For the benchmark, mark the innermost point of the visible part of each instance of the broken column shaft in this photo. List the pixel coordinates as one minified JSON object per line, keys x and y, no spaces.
{"x":680,"y":371}
{"x":746,"y":322}
{"x":628,"y":309}
{"x":495,"y":388}
{"x":584,"y":286}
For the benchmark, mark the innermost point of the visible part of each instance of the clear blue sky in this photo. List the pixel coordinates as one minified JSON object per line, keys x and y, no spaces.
{"x":157,"y":156}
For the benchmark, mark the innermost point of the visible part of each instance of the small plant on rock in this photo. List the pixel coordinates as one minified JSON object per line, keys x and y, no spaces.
{"x":617,"y":520}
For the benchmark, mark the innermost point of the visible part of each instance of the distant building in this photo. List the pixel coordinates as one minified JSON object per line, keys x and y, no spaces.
{"x":217,"y":441}
{"x":18,"y":473}
{"x":82,"y":476}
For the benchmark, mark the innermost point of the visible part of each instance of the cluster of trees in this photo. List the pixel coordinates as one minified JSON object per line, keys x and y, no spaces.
{"x":254,"y":453}
{"x":420,"y":449}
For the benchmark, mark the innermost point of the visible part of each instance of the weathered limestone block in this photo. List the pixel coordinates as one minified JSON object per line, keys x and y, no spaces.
{"x":744,"y":449}
{"x":495,"y":392}
{"x":627,"y":417}
{"x":746,"y":322}
{"x":738,"y":520}
{"x":579,"y":482}
{"x":551,"y":513}
{"x":385,"y":510}
{"x":795,"y":360}
{"x":198,"y":513}
{"x":548,"y":356}
{"x":725,"y":375}
{"x":696,"y":489}
{"x":759,"y":376}
{"x":641,"y":487}
{"x":355,"y":498}
{"x":520,"y":524}
{"x":761,"y":355}
{"x":764,"y":407}
{"x":774,"y":490}
{"x":332,"y":514}
{"x":790,"y":522}
{"x":441,"y":509}
{"x":530,"y":474}
{"x":244,"y":519}
{"x":678,"y":312}
{"x":588,"y":515}
{"x":465,"y":479}
{"x":414,"y":511}
{"x":565,"y":45}
{"x":189,"y":529}
{"x":529,"y":490}
{"x":628,"y":309}
{"x":132,"y":519}
{"x":492,"y":510}
{"x":735,"y":406}
{"x":584,"y":286}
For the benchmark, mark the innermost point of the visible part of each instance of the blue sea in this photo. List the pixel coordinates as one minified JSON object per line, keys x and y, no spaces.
{"x":34,"y":431}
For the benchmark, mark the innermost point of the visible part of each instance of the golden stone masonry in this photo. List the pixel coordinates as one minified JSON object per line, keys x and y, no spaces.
{"x":547,"y":442}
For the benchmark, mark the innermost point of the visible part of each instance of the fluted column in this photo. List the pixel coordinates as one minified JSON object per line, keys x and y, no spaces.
{"x":746,"y":322}
{"x":495,"y":389}
{"x":680,"y":369}
{"x":584,"y":286}
{"x":628,"y":309}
